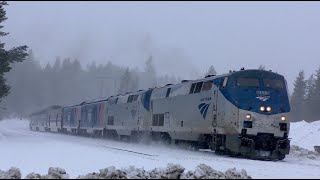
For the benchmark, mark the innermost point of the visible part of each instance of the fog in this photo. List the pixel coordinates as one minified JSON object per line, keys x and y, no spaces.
{"x":185,"y":37}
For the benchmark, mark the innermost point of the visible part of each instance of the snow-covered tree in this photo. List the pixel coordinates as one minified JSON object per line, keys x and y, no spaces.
{"x":211,"y":71}
{"x":262,"y":67}
{"x":150,"y":73}
{"x":298,"y":97}
{"x":7,"y":57}
{"x":129,"y":82}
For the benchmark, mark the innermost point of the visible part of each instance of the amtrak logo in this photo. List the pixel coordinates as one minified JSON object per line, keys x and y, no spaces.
{"x":203,"y":107}
{"x":262,"y":98}
{"x":263,"y":95}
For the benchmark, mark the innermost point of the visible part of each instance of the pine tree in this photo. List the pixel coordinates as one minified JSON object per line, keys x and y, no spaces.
{"x":129,"y":82}
{"x":310,"y":90}
{"x":7,"y":57}
{"x":150,"y":73}
{"x":309,"y":102}
{"x":262,"y":67}
{"x":298,"y":97}
{"x":316,"y":95}
{"x":317,"y":84}
{"x":211,"y":71}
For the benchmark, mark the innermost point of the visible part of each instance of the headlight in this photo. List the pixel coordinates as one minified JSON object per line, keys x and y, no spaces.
{"x":268,"y":109}
{"x":248,"y":116}
{"x":283,"y":118}
{"x":262,"y":108}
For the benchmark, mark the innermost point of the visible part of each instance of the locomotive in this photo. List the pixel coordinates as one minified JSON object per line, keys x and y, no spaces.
{"x":240,"y":113}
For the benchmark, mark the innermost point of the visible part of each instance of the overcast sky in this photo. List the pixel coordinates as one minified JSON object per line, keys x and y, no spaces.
{"x":185,"y":37}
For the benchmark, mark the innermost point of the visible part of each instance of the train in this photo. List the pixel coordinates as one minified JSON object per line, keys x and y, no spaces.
{"x":239,"y":113}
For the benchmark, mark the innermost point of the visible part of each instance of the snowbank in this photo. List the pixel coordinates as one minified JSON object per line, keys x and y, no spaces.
{"x":53,"y":173}
{"x":172,"y":171}
{"x":203,"y":171}
{"x":304,"y":134}
{"x":33,"y":176}
{"x":305,"y":153}
{"x":12,"y":173}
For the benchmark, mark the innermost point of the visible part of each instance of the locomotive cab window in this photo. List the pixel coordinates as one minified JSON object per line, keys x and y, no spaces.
{"x":192,"y":88}
{"x":130,"y":98}
{"x":207,"y":86}
{"x":273,"y":83}
{"x":136,"y":97}
{"x":198,"y":87}
{"x":248,"y":82}
{"x":168,"y":92}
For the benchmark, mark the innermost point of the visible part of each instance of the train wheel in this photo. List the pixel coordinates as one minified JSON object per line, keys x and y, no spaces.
{"x":219,"y":152}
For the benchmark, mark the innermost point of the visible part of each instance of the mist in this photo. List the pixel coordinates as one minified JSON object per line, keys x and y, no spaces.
{"x":183,"y":38}
{"x":189,"y":36}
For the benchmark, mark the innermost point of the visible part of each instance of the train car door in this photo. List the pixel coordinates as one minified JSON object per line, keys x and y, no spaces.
{"x":101,"y":114}
{"x":49,"y":119}
{"x":221,"y":104}
{"x":215,"y":104}
{"x":136,"y":110}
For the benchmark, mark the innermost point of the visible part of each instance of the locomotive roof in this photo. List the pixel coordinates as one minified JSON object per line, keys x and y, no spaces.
{"x":53,"y":107}
{"x":210,"y":77}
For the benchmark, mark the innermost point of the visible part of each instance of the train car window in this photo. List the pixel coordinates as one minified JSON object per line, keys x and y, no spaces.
{"x":192,"y":88}
{"x":113,"y":101}
{"x":142,"y":97}
{"x":110,"y":120}
{"x":198,"y":87}
{"x":158,"y":120}
{"x":273,"y":83}
{"x":207,"y":86}
{"x":248,"y":82}
{"x":49,"y":118}
{"x":225,"y":81}
{"x":69,"y":117}
{"x":136,"y":97}
{"x":161,"y":120}
{"x":57,"y":120}
{"x":155,"y":119}
{"x":168,"y":92}
{"x":130,"y":99}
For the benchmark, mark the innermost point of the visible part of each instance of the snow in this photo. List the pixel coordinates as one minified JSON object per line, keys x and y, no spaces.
{"x":36,"y":152}
{"x":305,"y":135}
{"x":12,"y":173}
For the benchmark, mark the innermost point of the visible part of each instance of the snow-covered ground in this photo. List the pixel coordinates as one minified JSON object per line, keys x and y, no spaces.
{"x":36,"y":152}
{"x":305,"y":134}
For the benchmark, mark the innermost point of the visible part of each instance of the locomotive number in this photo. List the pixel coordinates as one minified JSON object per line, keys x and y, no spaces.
{"x":206,"y":99}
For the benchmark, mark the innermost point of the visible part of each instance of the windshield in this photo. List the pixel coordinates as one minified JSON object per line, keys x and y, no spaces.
{"x":273,"y":83}
{"x":248,"y":82}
